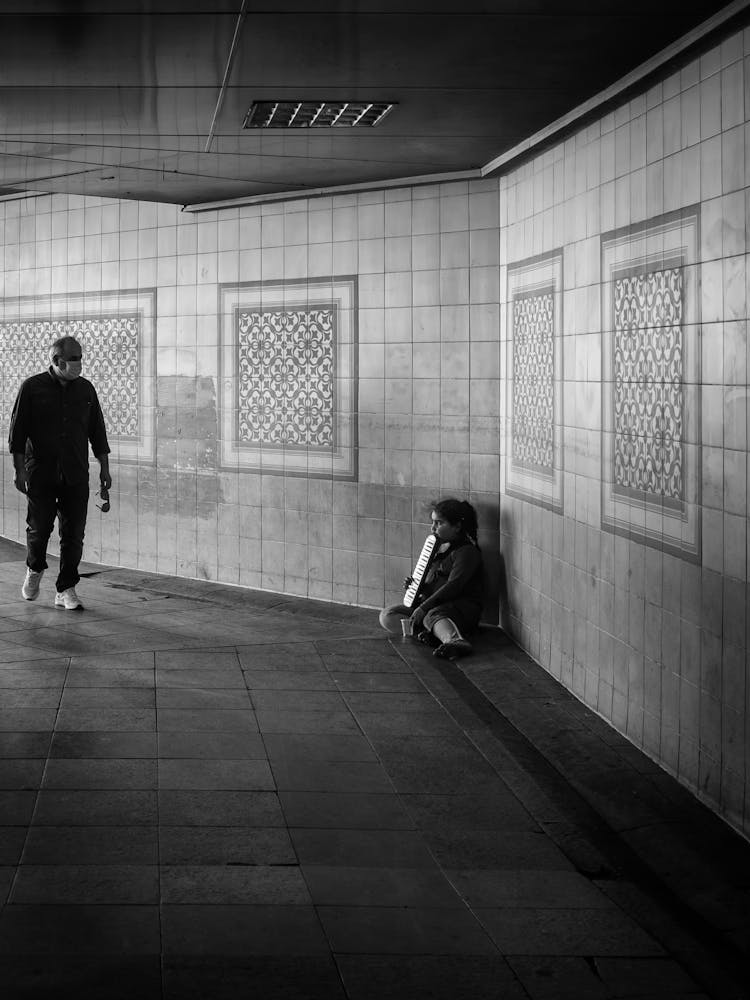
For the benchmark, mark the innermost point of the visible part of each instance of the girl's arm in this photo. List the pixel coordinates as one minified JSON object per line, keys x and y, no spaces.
{"x":466,"y":562}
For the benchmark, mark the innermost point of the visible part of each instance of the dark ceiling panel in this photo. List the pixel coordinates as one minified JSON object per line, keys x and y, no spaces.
{"x":118,"y":96}
{"x":111,"y":50}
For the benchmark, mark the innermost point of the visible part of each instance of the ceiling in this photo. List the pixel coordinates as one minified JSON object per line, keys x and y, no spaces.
{"x":124,"y":98}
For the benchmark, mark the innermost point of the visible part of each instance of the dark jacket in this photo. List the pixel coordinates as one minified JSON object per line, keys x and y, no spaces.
{"x":52,"y":424}
{"x":455,"y":575}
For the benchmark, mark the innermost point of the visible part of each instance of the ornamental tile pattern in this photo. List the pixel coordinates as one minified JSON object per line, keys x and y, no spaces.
{"x":648,"y":401}
{"x":534,"y":381}
{"x":288,"y":377}
{"x":116,"y":346}
{"x":533,"y":467}
{"x":651,"y":383}
{"x":286,"y":365}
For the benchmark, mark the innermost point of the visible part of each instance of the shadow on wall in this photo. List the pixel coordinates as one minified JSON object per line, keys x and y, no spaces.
{"x":495,"y":589}
{"x":504,"y":558}
{"x":495,"y":584}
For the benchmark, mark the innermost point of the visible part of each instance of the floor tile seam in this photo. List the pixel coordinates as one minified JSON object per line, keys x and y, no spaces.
{"x":24,"y":643}
{"x":406,"y":910}
{"x":424,"y":688}
{"x":611,"y":845}
{"x":158,"y":818}
{"x":279,"y":802}
{"x":335,"y":689}
{"x":156,"y":785}
{"x":20,"y":625}
{"x":238,"y":665}
{"x":420,"y":833}
{"x":37,"y":791}
{"x":360,"y":728}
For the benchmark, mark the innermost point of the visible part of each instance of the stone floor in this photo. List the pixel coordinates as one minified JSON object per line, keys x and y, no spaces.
{"x":207,"y":792}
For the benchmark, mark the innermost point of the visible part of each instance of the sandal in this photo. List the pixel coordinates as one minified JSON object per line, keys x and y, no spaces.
{"x":453,"y":650}
{"x":425,"y":637}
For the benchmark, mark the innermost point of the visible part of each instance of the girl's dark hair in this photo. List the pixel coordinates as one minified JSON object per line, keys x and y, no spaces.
{"x":458,"y":512}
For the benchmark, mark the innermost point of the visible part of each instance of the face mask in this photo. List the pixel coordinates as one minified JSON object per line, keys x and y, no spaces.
{"x":71,"y":371}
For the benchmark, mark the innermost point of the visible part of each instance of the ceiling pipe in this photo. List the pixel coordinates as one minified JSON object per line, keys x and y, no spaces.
{"x":227,"y":72}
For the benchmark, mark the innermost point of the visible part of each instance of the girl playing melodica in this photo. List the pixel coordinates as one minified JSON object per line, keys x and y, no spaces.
{"x":448,"y":602}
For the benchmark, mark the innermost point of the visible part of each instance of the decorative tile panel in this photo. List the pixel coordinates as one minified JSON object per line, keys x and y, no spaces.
{"x":116,"y":332}
{"x":288,"y":377}
{"x":651,"y":383}
{"x":534,"y":451}
{"x":648,"y":374}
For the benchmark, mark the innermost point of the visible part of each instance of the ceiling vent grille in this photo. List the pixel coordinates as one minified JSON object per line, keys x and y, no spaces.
{"x":316,"y":114}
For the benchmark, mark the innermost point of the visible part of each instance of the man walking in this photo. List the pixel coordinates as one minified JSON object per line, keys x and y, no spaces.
{"x":55,"y":415}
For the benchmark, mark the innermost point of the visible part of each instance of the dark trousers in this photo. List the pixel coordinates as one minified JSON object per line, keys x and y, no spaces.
{"x":69,"y":503}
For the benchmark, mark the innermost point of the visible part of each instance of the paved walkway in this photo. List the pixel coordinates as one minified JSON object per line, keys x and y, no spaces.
{"x":214,"y":793}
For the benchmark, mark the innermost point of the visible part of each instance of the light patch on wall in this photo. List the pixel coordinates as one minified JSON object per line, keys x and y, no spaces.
{"x":117,"y":333}
{"x":534,"y":463}
{"x":651,"y":383}
{"x":288,"y":377}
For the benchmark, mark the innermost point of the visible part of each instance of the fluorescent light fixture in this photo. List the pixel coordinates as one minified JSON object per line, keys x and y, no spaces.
{"x":316,"y":114}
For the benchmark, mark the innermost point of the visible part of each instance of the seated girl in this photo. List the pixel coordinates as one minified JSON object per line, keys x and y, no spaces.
{"x":449,"y":601}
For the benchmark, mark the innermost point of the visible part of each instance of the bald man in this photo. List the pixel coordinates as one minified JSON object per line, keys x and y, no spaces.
{"x":55,"y":416}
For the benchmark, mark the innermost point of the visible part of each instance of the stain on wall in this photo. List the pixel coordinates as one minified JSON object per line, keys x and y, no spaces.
{"x":186,"y":422}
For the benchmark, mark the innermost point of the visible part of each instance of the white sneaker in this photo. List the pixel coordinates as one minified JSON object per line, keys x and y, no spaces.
{"x":30,"y":588}
{"x":68,"y":599}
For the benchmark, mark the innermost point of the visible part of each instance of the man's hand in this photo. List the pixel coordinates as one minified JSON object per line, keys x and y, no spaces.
{"x":408,"y":581}
{"x":105,"y":480}
{"x":20,"y":481}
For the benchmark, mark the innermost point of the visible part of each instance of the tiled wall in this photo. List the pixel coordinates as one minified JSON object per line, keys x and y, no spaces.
{"x":629,"y":576}
{"x":565,"y":345}
{"x":286,"y":387}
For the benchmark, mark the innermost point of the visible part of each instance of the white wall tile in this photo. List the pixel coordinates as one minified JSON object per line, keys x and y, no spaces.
{"x":425,"y":216}
{"x":425,"y":252}
{"x":710,"y":93}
